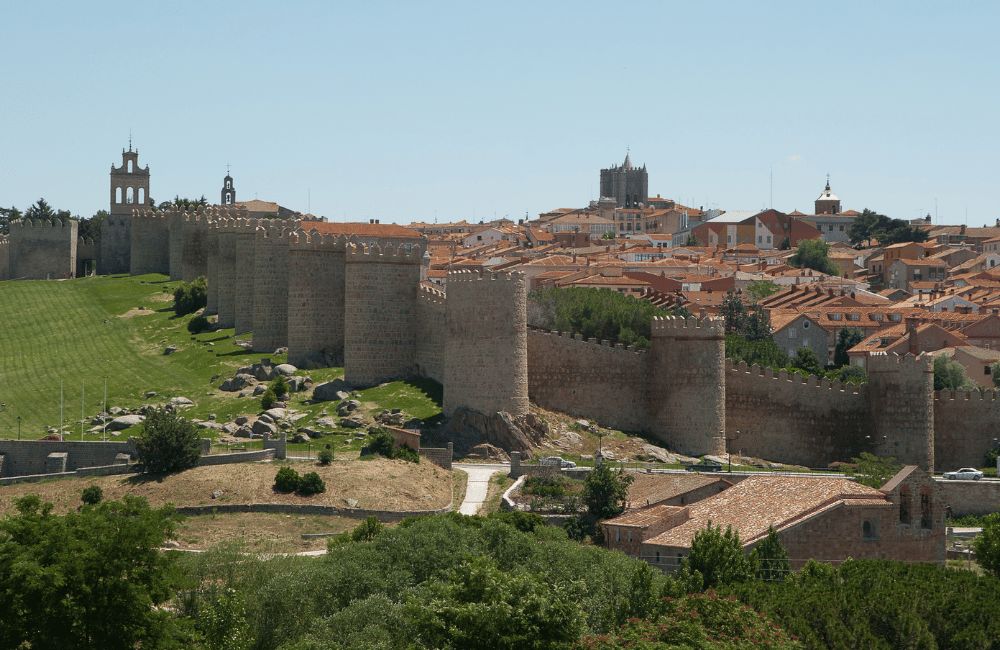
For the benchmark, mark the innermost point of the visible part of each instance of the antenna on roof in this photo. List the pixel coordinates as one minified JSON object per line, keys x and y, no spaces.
{"x":130,"y":140}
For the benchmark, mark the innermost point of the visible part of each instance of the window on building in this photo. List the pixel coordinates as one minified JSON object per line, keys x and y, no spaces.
{"x":618,"y":534}
{"x":925,"y":510}
{"x":904,"y":506}
{"x":805,"y":324}
{"x":142,"y":196}
{"x":760,"y":239}
{"x":118,"y":195}
{"x":129,"y":169}
{"x":986,"y":370}
{"x":657,"y":557}
{"x":867,"y":530}
{"x":130,"y":195}
{"x":769,"y":239}
{"x":841,"y":227}
{"x":829,"y":228}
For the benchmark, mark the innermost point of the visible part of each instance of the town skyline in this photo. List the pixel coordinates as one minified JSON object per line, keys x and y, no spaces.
{"x":483,"y":113}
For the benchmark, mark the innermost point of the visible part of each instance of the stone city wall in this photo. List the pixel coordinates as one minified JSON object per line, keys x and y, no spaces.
{"x":4,"y":257}
{"x":380,"y":311}
{"x":194,"y":253}
{"x":315,"y":299}
{"x":599,"y":381}
{"x":789,"y":418}
{"x":43,"y":249}
{"x":243,"y":308}
{"x":226,"y":271}
{"x":431,"y":327}
{"x":901,"y":404}
{"x":175,"y":221}
{"x":270,"y":274}
{"x":116,"y":245}
{"x":150,"y":248}
{"x":686,"y":399}
{"x":970,"y":497}
{"x":486,"y":348}
{"x":966,"y":426}
{"x":86,"y":256}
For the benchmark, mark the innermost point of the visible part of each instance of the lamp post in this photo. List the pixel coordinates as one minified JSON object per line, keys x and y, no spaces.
{"x":729,"y":451}
{"x":19,"y":427}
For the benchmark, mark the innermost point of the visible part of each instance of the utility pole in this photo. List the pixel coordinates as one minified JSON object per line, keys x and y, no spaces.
{"x":104,"y":420}
{"x":61,"y":404}
{"x":83,"y":401}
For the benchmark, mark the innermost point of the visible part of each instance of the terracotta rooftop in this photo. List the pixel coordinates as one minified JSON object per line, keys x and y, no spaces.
{"x":653,"y":488}
{"x":644,"y":517}
{"x":759,"y":502}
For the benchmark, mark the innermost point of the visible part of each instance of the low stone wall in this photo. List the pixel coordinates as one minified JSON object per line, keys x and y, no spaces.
{"x":440,"y":456}
{"x":237,"y":457}
{"x":28,"y":457}
{"x":970,"y":497}
{"x":309,"y":509}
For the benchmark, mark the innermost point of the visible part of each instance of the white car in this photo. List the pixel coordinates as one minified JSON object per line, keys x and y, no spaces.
{"x":557,"y":461}
{"x":964,"y":474}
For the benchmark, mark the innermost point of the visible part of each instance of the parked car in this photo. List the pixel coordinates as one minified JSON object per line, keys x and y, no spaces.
{"x":964,"y":474}
{"x":557,"y":461}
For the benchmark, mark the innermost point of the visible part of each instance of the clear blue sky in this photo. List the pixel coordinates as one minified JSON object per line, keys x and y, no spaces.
{"x":419,"y":110}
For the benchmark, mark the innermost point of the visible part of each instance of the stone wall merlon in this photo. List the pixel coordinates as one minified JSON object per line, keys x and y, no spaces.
{"x":988,"y":395}
{"x":708,"y":326}
{"x":22,"y":224}
{"x":384,"y":254}
{"x":309,"y":240}
{"x":604,"y":343}
{"x":793,"y":377}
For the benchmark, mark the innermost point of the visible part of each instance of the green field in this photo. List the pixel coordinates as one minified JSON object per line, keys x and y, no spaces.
{"x":81,"y":333}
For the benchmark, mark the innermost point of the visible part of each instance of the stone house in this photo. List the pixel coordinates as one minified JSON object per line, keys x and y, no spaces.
{"x":793,"y":331}
{"x":903,"y":273}
{"x":824,"y":519}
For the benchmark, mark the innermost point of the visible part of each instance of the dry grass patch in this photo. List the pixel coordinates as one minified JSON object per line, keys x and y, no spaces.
{"x":260,"y":532}
{"x":378,"y":484}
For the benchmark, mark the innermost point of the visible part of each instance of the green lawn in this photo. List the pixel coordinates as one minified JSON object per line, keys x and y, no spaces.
{"x":74,"y":332}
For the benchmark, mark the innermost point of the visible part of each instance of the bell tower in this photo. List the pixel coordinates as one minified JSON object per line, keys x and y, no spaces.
{"x":129,"y":184}
{"x":228,"y":190}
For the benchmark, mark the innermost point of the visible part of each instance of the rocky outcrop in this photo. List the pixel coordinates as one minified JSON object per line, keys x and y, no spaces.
{"x":467,"y":428}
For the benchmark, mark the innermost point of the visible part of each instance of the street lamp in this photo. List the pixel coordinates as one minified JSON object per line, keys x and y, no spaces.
{"x":19,"y":427}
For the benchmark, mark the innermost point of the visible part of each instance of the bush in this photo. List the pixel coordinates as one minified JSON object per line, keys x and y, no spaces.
{"x":325,"y":457}
{"x":987,"y":545}
{"x":268,"y":399}
{"x":287,"y":480}
{"x":381,"y":443}
{"x":605,"y":491}
{"x":168,"y":443}
{"x":718,"y":557}
{"x":279,"y":386}
{"x":310,"y":484}
{"x":92,"y":495}
{"x":367,"y":531}
{"x":190,"y":296}
{"x":545,"y":486}
{"x":198,"y":324}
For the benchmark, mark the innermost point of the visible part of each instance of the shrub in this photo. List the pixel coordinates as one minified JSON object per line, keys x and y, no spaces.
{"x":198,"y":324}
{"x":92,"y":495}
{"x":367,"y":531}
{"x":718,"y":557}
{"x":168,"y":443}
{"x":403,"y":452}
{"x":380,"y":442}
{"x":545,"y":486}
{"x":268,"y":399}
{"x":287,"y":480}
{"x":605,"y":491}
{"x":279,"y":385}
{"x":310,"y":484}
{"x":190,"y":296}
{"x":325,"y":457}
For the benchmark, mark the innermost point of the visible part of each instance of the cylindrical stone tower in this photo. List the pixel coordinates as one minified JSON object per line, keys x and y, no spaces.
{"x":175,"y":220}
{"x":901,"y":402}
{"x":687,"y":391}
{"x":315,"y":299}
{"x":226,"y":272}
{"x":270,"y":300}
{"x":380,"y":307}
{"x":486,"y":349}
{"x":243,"y":306}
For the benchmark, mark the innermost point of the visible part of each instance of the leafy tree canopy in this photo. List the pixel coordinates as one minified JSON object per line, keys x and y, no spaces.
{"x":847,"y":338}
{"x":595,"y":313}
{"x":874,"y":471}
{"x":605,"y":491}
{"x":814,"y":254}
{"x":870,"y":225}
{"x":987,"y":545}
{"x":950,"y":375}
{"x":168,"y":443}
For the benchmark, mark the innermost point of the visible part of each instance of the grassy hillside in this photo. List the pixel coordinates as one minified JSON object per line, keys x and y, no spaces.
{"x":83,"y":331}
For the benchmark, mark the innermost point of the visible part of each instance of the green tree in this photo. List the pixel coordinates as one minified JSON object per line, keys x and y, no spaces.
{"x":325,"y":456}
{"x":849,"y":375}
{"x":814,"y":254}
{"x":770,"y":559}
{"x":40,"y":210}
{"x":847,"y":338}
{"x":6,"y":216}
{"x":865,"y":225}
{"x":760,"y":289}
{"x":950,"y":375}
{"x":91,"y":228}
{"x":286,"y":480}
{"x":718,"y":556}
{"x":89,"y":579}
{"x":873,"y":471}
{"x":806,"y":360}
{"x":605,"y":491}
{"x":692,"y":241}
{"x":765,"y":353}
{"x":734,"y":312}
{"x":987,"y":545}
{"x":191,"y":296}
{"x":168,"y":443}
{"x":310,"y":484}
{"x":368,"y":530}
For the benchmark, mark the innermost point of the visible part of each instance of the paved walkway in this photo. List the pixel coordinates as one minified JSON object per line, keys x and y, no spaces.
{"x":478,"y":484}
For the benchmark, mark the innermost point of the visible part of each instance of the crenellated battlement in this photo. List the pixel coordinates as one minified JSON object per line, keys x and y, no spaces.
{"x":810,"y":381}
{"x":466,"y":275}
{"x":590,"y":342}
{"x":80,"y":241}
{"x":978,"y":395}
{"x":41,"y":224}
{"x":691,"y":326}
{"x":307,"y":240}
{"x":885,"y":362}
{"x":431,"y":295}
{"x":386,"y":254}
